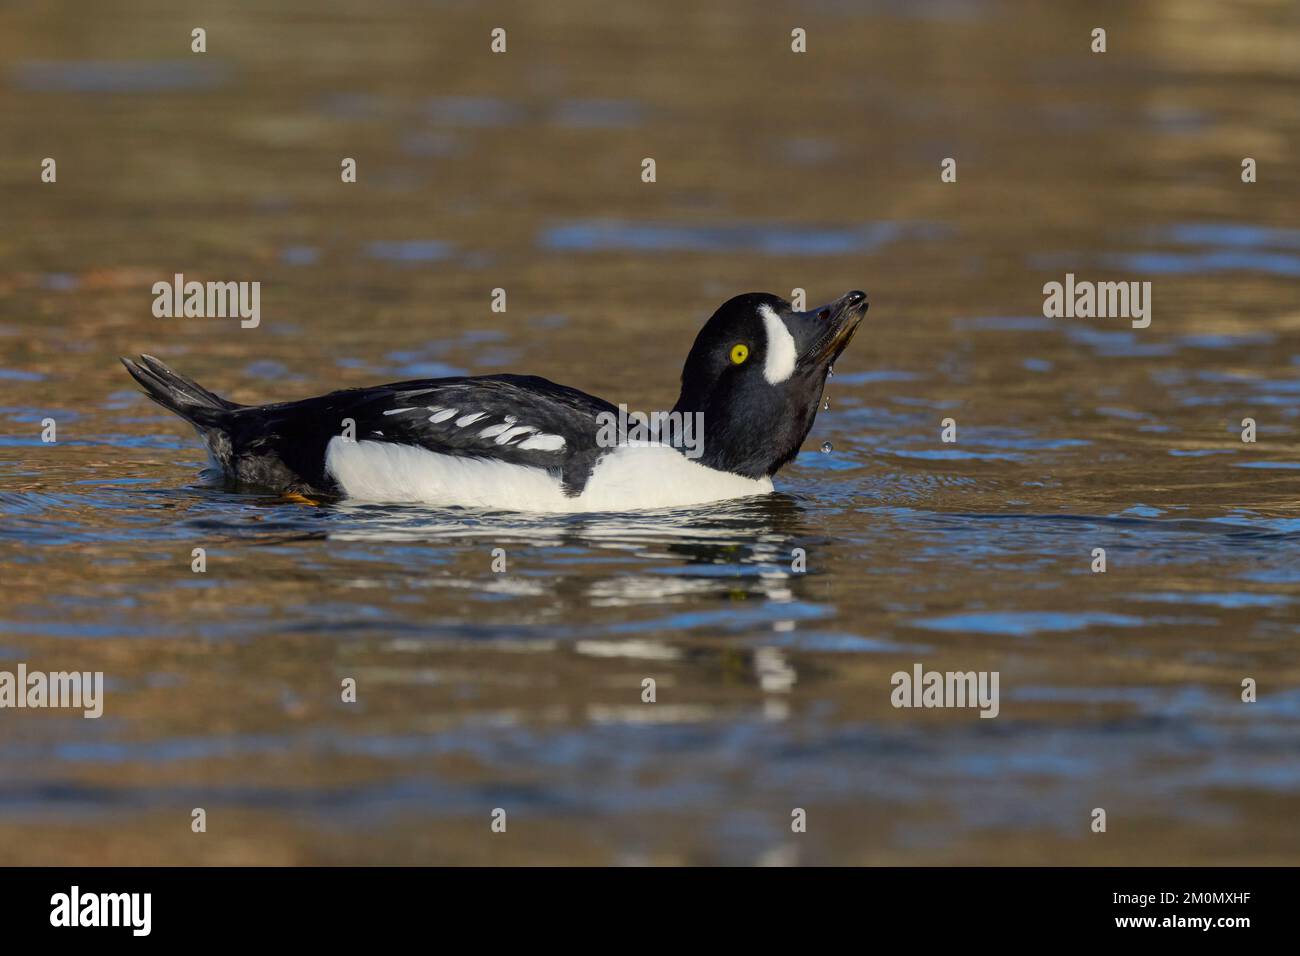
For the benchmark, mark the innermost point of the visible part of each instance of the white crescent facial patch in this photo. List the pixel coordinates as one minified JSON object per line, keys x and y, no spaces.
{"x":781,"y":353}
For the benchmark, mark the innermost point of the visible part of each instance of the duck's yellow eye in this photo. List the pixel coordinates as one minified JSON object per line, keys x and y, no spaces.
{"x":739,"y":353}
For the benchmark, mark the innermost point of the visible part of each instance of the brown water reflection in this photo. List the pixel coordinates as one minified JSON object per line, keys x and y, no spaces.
{"x":775,"y":171}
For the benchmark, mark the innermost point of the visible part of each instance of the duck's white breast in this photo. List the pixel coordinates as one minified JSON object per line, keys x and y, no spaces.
{"x":632,"y":477}
{"x":656,"y":476}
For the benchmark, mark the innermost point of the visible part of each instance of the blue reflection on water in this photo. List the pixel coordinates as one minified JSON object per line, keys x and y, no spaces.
{"x":773,"y":239}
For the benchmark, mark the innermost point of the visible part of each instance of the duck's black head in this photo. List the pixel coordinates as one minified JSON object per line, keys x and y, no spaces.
{"x":756,"y":372}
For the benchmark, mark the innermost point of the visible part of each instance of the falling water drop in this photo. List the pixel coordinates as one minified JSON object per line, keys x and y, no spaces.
{"x":826,"y":447}
{"x":830,"y":371}
{"x":826,"y":404}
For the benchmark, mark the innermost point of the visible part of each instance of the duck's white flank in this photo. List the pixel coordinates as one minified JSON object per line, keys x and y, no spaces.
{"x":631,"y":478}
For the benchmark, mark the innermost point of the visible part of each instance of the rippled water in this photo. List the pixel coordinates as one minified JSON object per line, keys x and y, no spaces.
{"x":522,"y":690}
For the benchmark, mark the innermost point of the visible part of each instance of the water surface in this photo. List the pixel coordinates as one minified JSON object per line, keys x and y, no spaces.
{"x":522,"y":690}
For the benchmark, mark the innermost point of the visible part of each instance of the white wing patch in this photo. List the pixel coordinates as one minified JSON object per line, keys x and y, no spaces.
{"x":543,"y":443}
{"x":514,"y":432}
{"x":781,"y":353}
{"x":506,"y":432}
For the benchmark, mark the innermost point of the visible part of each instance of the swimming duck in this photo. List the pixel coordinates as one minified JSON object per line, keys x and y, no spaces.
{"x":753,"y":380}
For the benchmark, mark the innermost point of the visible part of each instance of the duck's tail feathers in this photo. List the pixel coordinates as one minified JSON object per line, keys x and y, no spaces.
{"x":176,"y":393}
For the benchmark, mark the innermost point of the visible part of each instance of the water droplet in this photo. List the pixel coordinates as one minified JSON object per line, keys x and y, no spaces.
{"x":830,"y":371}
{"x":826,"y":447}
{"x":826,"y":404}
